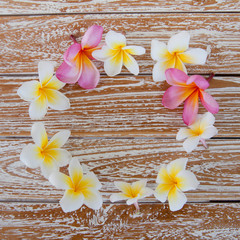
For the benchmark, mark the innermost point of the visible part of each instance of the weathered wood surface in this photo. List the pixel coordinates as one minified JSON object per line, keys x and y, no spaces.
{"x":217,"y":168}
{"x":27,"y":39}
{"x":120,"y":106}
{"x":194,"y":221}
{"x":96,"y":6}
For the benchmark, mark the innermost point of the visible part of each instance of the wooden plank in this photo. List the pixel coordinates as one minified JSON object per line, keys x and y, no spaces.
{"x":194,"y":221}
{"x":28,"y":39}
{"x":217,"y":168}
{"x":96,"y":6}
{"x":121,"y":106}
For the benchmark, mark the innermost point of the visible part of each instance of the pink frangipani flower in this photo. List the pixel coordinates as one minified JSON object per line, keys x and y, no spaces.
{"x":77,"y":65}
{"x":188,"y":89}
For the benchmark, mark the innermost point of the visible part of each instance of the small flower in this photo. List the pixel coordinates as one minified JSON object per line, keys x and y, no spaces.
{"x":131,"y":193}
{"x":172,"y":181}
{"x":77,"y":65}
{"x":45,"y":154}
{"x":79,"y":188}
{"x":174,"y":55}
{"x":200,"y":130}
{"x":45,"y":93}
{"x":188,"y":89}
{"x":115,"y":54}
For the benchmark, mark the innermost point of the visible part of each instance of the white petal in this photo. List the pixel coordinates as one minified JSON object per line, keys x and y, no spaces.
{"x":60,"y":180}
{"x":31,"y":156}
{"x":55,"y":84}
{"x":91,"y":181}
{"x":92,"y":199}
{"x":179,"y":42}
{"x":186,"y":181}
{"x":138,"y":185}
{"x":159,"y":51}
{"x":71,"y":201}
{"x":132,"y":200}
{"x":114,"y":40}
{"x":191,"y":143}
{"x":59,"y":139}
{"x":45,"y":71}
{"x":135,"y":50}
{"x":113,"y":65}
{"x":207,"y":119}
{"x":39,"y":134}
{"x":176,"y":199}
{"x":162,"y":191}
{"x":130,"y":63}
{"x":163,"y":176}
{"x":123,"y":186}
{"x":103,"y":53}
{"x":147,"y":192}
{"x":117,"y":197}
{"x":176,"y":166}
{"x":29,"y":91}
{"x":48,"y":167}
{"x":75,"y":171}
{"x":183,"y":133}
{"x":159,"y":70}
{"x":194,"y":56}
{"x":57,"y":100}
{"x":180,"y":65}
{"x":209,"y":132}
{"x":38,"y":108}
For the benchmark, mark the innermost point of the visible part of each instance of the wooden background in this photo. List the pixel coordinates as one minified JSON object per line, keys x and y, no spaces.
{"x":120,"y":130}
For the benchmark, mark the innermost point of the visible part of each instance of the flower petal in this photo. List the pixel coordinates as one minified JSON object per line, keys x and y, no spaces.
{"x":180,"y":65}
{"x":209,"y":102}
{"x":92,"y":37}
{"x":29,"y":91}
{"x":90,"y":75}
{"x":45,"y":71}
{"x":70,"y":56}
{"x":113,"y":65}
{"x":175,"y":95}
{"x":179,"y":42}
{"x":71,"y":201}
{"x":92,"y":198}
{"x":207,"y":119}
{"x":118,"y":197}
{"x":130,"y":63}
{"x":159,"y":51}
{"x":162,"y":191}
{"x":209,"y":132}
{"x":190,"y":108}
{"x":200,"y":81}
{"x":186,"y":181}
{"x":55,"y":84}
{"x":31,"y":156}
{"x":123,"y":186}
{"x":191,"y":143}
{"x":134,"y":50}
{"x":61,"y":156}
{"x":147,"y":192}
{"x":39,"y":135}
{"x":183,"y":133}
{"x":131,"y":201}
{"x":163,"y":176}
{"x":60,"y":180}
{"x":176,"y":166}
{"x":115,"y":40}
{"x":48,"y":166}
{"x":194,"y":56}
{"x":57,"y":100}
{"x":38,"y":108}
{"x":176,"y":199}
{"x":176,"y":77}
{"x":103,"y":53}
{"x":90,"y":180}
{"x":160,"y":68}
{"x":59,"y":139}
{"x":75,"y":171}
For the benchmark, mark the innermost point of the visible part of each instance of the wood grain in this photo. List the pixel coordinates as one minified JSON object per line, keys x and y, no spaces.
{"x":96,"y":6}
{"x":25,"y":40}
{"x":217,"y":168}
{"x":122,"y":106}
{"x":194,"y":221}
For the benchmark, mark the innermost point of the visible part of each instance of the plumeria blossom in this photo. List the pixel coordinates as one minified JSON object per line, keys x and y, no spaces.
{"x":45,"y":154}
{"x":188,"y":89}
{"x":174,"y":55}
{"x":172,"y":181}
{"x":79,"y":188}
{"x":115,"y":53}
{"x":77,"y":65}
{"x":131,"y":193}
{"x":200,"y":130}
{"x":45,"y":93}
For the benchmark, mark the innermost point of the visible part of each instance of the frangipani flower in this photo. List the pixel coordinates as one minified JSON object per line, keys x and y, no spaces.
{"x":45,"y":154}
{"x":79,"y":188}
{"x":45,"y":93}
{"x":188,"y":89}
{"x":77,"y":65}
{"x":172,"y":181}
{"x":116,"y":53}
{"x":174,"y":55}
{"x":131,"y":193}
{"x":200,"y":130}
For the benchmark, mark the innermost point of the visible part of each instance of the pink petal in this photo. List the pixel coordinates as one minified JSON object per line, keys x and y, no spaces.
{"x":71,"y":53}
{"x":176,"y":77}
{"x":175,"y":95}
{"x":92,"y":37}
{"x":200,"y":81}
{"x":209,"y":102}
{"x":90,"y":75}
{"x":67,"y":73}
{"x":190,"y":108}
